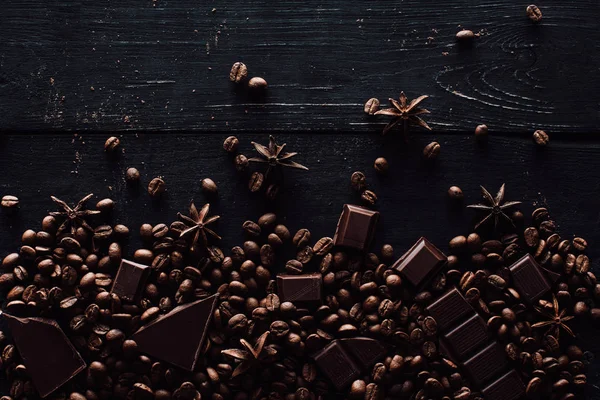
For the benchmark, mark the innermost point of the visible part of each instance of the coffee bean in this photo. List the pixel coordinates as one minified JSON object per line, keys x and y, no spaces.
{"x":150,"y":314}
{"x":358,"y":181}
{"x":132,"y":175}
{"x":534,"y":13}
{"x":241,"y":162}
{"x":481,"y":133}
{"x":256,"y":181}
{"x":541,"y":138}
{"x":369,"y":198}
{"x":105,"y":205}
{"x":209,"y":187}
{"x":323,"y":246}
{"x":231,"y":144}
{"x":455,"y":194}
{"x":381,"y":166}
{"x":431,"y":151}
{"x":301,"y":238}
{"x":458,"y":244}
{"x":579,"y":244}
{"x":111,"y":144}
{"x":373,"y":392}
{"x":10,"y":202}
{"x":358,"y":390}
{"x":156,"y":187}
{"x":465,"y":35}
{"x":257,"y":84}
{"x":371,"y":106}
{"x":238,"y":72}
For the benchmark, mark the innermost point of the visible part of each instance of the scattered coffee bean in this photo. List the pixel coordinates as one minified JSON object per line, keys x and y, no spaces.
{"x":257,"y":84}
{"x":231,"y":144}
{"x":209,"y":186}
{"x":455,"y":193}
{"x":540,"y":138}
{"x":132,"y":175}
{"x":238,"y":72}
{"x":256,"y":181}
{"x":465,"y":35}
{"x":431,"y":151}
{"x":111,"y":144}
{"x":241,"y":162}
{"x":156,"y":187}
{"x":358,"y":180}
{"x":368,"y":197}
{"x":10,"y":202}
{"x":372,"y":106}
{"x":534,"y":13}
{"x":481,"y":132}
{"x":381,"y":166}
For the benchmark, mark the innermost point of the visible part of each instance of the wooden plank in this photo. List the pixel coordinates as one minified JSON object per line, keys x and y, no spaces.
{"x":163,"y":65}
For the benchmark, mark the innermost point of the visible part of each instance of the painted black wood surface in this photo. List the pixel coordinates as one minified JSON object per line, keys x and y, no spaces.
{"x":164,"y":64}
{"x":412,"y":198}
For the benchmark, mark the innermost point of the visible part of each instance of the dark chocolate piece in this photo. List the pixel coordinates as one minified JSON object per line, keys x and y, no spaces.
{"x":486,"y":364}
{"x":467,"y":337}
{"x":529,"y":279}
{"x":421,"y":263}
{"x":335,"y":362}
{"x":178,"y":336}
{"x":450,"y":309}
{"x":507,"y":387}
{"x":356,"y":227}
{"x":300,"y":288}
{"x":365,"y":350}
{"x":49,"y":356}
{"x":130,"y":280}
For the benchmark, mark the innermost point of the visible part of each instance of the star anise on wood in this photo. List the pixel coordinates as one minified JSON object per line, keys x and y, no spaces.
{"x":406,"y":112}
{"x":73,"y":217}
{"x":555,"y":319}
{"x":274,"y":156}
{"x":197,"y":223}
{"x":251,"y":356}
{"x":495,"y":207}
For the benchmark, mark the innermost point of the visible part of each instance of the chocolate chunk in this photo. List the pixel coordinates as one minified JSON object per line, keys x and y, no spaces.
{"x":449,"y":309}
{"x":467,"y":337}
{"x":130,"y":280}
{"x":529,"y":279}
{"x":508,"y":387}
{"x":49,"y":356}
{"x":365,"y":350}
{"x":486,"y":364}
{"x":301,"y":289}
{"x":356,"y":227}
{"x":177,"y":337}
{"x":335,"y":362}
{"x":421,"y":263}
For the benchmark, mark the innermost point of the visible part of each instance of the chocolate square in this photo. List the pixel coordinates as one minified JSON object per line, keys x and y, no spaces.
{"x":335,"y":362}
{"x":300,"y":288}
{"x":449,"y":309}
{"x":486,"y":364}
{"x":130,"y":280}
{"x":467,"y":337}
{"x":507,"y":387}
{"x":356,"y":227}
{"x":365,"y":350}
{"x":528,"y":278}
{"x":421,"y":263}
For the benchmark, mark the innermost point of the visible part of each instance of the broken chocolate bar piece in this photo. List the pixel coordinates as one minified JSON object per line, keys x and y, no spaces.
{"x":486,"y":364}
{"x":50,"y":358}
{"x":178,"y":336}
{"x":337,"y":364}
{"x":356,"y":227}
{"x":507,"y":387}
{"x":528,"y":278}
{"x":421,"y":263}
{"x":365,"y":350}
{"x":130,"y":280}
{"x":301,"y":289}
{"x":467,"y":337}
{"x":449,"y":309}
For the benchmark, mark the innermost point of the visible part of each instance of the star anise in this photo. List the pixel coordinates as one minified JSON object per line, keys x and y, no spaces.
{"x":197,"y":226}
{"x":273,"y":155}
{"x":73,"y":217}
{"x":555,"y":320}
{"x":251,"y":356}
{"x":495,"y":207}
{"x":406,"y":112}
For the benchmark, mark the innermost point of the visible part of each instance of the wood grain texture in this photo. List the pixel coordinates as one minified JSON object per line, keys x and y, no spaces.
{"x":412,"y":198}
{"x":163,"y":64}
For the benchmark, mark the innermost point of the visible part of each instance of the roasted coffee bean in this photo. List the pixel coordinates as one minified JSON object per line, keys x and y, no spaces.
{"x":431,"y":151}
{"x":294,"y":267}
{"x":9,"y":202}
{"x":241,"y":162}
{"x":458,"y":245}
{"x":540,"y":138}
{"x":209,"y":187}
{"x":534,"y":13}
{"x":305,"y":255}
{"x":481,"y":132}
{"x":132,"y":175}
{"x":111,"y":144}
{"x":256,"y":181}
{"x":279,"y":329}
{"x":323,"y":246}
{"x":156,"y":187}
{"x":301,"y":238}
{"x":381,"y":165}
{"x":455,"y":194}
{"x":358,"y":390}
{"x":368,"y":197}
{"x":231,"y":144}
{"x":238,"y":72}
{"x":358,"y":181}
{"x":582,"y":264}
{"x":257,"y":84}
{"x":371,"y":106}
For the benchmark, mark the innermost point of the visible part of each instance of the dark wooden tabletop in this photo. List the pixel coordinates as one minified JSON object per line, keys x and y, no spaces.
{"x":74,"y":72}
